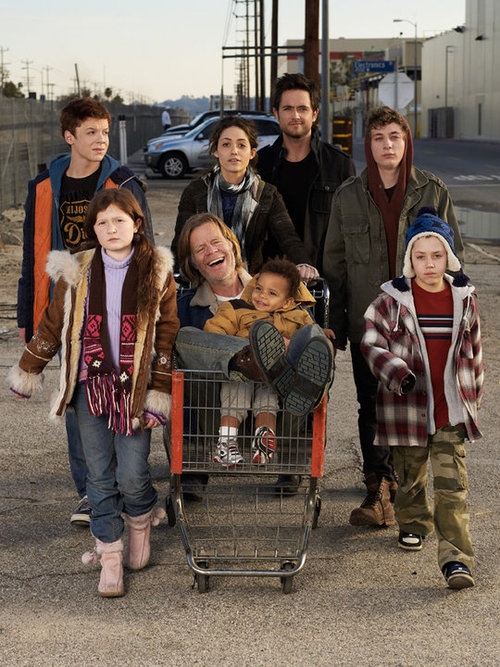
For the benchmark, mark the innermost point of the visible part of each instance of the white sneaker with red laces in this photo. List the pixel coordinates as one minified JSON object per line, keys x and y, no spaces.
{"x":227,"y":452}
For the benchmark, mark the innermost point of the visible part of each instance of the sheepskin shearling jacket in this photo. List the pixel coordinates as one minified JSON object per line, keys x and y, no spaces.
{"x":235,"y":317}
{"x":395,"y":349}
{"x":268,"y":217}
{"x":356,"y":261}
{"x":63,"y":322}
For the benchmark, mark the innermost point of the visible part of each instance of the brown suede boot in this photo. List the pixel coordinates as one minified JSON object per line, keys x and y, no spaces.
{"x":376,"y":508}
{"x":138,"y":545}
{"x":393,"y":487}
{"x":244,"y":363}
{"x":110,"y":555}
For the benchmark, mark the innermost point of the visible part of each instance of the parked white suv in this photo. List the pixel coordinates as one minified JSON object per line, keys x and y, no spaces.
{"x":173,"y":156}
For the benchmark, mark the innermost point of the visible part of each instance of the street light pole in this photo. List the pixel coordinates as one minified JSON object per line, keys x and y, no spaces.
{"x":449,"y":48}
{"x":414,"y":73}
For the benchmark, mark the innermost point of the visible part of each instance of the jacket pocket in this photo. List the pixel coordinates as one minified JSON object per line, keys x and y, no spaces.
{"x":357,"y":241}
{"x":321,"y":197}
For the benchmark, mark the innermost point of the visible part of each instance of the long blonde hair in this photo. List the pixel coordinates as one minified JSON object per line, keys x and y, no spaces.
{"x":187,"y":268}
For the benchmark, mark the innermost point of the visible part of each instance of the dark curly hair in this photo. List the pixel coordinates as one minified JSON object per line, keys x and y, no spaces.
{"x":382,"y":116}
{"x":283,"y":267}
{"x":296,"y":82}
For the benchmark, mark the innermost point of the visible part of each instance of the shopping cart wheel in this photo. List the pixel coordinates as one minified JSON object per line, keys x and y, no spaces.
{"x":170,"y":509}
{"x":203,"y":580}
{"x":287,"y":582}
{"x":317,"y":510}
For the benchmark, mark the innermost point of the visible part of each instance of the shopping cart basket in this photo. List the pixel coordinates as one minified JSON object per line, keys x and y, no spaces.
{"x":243,"y":525}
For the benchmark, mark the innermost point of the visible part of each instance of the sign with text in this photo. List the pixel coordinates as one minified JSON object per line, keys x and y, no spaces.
{"x":373,"y":66}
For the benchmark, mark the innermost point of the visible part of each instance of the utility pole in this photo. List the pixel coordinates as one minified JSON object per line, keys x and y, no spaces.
{"x":77,"y":80}
{"x":274,"y":47}
{"x":2,"y":68}
{"x":324,"y":117}
{"x":47,"y":70}
{"x":262,"y":44}
{"x":27,"y":68}
{"x":256,"y":42}
{"x":311,"y":42}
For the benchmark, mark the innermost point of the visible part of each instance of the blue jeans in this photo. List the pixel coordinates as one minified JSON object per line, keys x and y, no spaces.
{"x":119,"y":479}
{"x":77,"y":463}
{"x":198,"y":349}
{"x":204,"y":350}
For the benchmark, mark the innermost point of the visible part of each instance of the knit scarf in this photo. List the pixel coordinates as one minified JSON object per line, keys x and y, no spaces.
{"x":242,"y":209}
{"x":390,"y":209}
{"x":109,"y":393}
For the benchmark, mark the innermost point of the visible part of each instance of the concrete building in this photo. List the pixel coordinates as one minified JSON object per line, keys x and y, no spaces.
{"x":461,"y":94}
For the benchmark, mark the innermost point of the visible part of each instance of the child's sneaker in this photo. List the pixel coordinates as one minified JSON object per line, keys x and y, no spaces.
{"x":263,"y":445}
{"x":457,"y":575}
{"x":410,"y":541}
{"x":227,"y":452}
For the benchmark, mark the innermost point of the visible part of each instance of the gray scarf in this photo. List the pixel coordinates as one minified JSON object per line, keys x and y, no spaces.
{"x":243,"y":207}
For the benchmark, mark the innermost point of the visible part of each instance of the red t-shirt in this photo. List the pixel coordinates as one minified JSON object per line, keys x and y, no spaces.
{"x":435,"y":318}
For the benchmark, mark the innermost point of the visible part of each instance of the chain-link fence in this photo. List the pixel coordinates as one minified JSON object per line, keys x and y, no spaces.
{"x":30,"y":137}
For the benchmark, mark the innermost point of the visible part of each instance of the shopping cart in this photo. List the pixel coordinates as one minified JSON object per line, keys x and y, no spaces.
{"x":242,"y":526}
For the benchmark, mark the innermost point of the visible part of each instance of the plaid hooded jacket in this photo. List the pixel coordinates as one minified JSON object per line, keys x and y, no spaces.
{"x":394,"y":347}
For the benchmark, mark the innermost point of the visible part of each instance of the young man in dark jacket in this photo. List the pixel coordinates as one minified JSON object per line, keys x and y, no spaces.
{"x":305,"y":170}
{"x":54,"y":216}
{"x":365,"y":247}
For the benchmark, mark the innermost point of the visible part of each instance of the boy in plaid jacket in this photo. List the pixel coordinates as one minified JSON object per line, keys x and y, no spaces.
{"x":423,"y":342}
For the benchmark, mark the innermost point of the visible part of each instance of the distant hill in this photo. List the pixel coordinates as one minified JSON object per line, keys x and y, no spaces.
{"x":192,"y":105}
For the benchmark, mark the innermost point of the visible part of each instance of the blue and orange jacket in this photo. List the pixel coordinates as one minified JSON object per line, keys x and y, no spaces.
{"x":41,"y":231}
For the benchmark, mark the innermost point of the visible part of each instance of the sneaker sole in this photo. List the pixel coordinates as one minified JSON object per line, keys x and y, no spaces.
{"x":269,"y":350}
{"x":312,"y":372}
{"x":229,"y":465}
{"x":410,"y":547}
{"x":80,"y":520}
{"x":460,"y":580}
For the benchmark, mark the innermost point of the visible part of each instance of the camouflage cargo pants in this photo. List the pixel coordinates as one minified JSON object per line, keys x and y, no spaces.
{"x":450,"y":518}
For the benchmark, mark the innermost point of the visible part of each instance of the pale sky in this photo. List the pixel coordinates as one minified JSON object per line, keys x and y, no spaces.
{"x":158,"y":49}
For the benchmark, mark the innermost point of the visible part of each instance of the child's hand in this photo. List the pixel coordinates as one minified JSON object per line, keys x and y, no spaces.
{"x":18,"y":395}
{"x":287,"y":343}
{"x":152,"y":420}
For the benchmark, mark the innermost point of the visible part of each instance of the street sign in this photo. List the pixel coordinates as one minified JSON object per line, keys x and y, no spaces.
{"x":396,"y":90}
{"x":373,"y":66}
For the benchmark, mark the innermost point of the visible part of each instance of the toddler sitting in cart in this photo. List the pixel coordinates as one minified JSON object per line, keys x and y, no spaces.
{"x":273,"y":314}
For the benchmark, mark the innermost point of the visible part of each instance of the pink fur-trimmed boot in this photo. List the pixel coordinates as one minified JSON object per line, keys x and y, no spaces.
{"x":110,"y":555}
{"x":139,"y":529}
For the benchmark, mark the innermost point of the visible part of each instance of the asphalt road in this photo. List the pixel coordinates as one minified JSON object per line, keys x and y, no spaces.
{"x":359,"y":601}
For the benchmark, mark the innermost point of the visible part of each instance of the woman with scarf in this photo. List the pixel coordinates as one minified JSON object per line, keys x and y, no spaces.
{"x":114,"y":316}
{"x":233,"y":191}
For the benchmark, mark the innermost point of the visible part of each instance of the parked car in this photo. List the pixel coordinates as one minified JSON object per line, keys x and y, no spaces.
{"x":205,"y":115}
{"x":173,"y":155}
